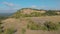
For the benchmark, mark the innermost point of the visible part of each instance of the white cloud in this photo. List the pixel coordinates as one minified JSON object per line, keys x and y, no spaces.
{"x":8,"y":4}
{"x":11,"y":5}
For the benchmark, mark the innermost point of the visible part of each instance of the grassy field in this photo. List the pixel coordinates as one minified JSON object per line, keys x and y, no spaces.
{"x":20,"y":23}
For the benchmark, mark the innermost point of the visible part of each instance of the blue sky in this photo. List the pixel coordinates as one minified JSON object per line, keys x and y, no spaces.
{"x":39,"y":4}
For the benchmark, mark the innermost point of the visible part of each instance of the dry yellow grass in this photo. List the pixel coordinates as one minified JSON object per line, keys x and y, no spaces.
{"x":21,"y":23}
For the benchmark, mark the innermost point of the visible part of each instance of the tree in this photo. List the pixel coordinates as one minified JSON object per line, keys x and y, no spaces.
{"x":50,"y":13}
{"x":50,"y":26}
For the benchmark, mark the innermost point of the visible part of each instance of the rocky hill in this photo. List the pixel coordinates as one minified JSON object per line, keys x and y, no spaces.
{"x":32,"y":21}
{"x":29,"y":12}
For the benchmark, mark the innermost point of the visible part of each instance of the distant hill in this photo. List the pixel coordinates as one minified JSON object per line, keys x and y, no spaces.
{"x":5,"y":14}
{"x":7,"y":11}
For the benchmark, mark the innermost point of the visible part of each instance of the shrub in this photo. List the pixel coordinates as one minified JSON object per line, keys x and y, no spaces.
{"x":1,"y":28}
{"x":45,"y":26}
{"x":23,"y":31}
{"x":10,"y":31}
{"x":33,"y":26}
{"x":35,"y":14}
{"x":59,"y":24}
{"x":51,"y":26}
{"x":50,"y":13}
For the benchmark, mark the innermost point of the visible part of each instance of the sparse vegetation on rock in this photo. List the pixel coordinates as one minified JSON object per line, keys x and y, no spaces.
{"x":51,"y":26}
{"x":45,"y":26}
{"x":1,"y":27}
{"x":34,"y":13}
{"x":9,"y":31}
{"x":23,"y":31}
{"x":37,"y":18}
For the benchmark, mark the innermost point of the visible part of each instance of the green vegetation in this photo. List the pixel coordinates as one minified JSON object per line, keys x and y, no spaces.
{"x":20,"y":13}
{"x":59,"y":24}
{"x":23,"y":31}
{"x":46,"y":26}
{"x":1,"y":27}
{"x":35,"y":14}
{"x":33,"y":26}
{"x":9,"y":31}
{"x":3,"y":31}
{"x":2,"y":17}
{"x":50,"y":13}
{"x":51,"y":26}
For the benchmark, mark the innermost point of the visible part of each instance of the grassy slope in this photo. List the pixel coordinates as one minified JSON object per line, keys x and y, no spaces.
{"x":21,"y":23}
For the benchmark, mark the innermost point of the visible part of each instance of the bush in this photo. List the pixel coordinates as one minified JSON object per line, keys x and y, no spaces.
{"x":23,"y":31}
{"x":35,"y":14}
{"x":59,"y":24}
{"x":51,"y":26}
{"x":33,"y":26}
{"x":50,"y":13}
{"x":1,"y":28}
{"x":45,"y":26}
{"x":10,"y":31}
